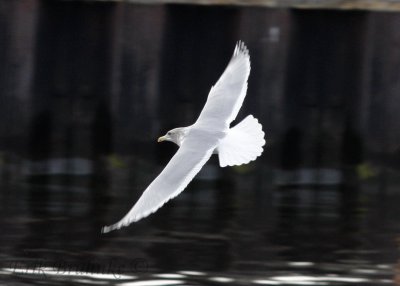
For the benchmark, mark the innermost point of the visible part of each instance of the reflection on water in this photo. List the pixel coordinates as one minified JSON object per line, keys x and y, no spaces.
{"x":366,"y":277}
{"x":237,"y":226}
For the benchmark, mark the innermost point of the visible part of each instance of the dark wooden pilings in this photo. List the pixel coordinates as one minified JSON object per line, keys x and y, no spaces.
{"x":129,"y":72}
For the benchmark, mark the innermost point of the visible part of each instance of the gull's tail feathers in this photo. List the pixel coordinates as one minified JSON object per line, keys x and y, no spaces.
{"x":242,"y":144}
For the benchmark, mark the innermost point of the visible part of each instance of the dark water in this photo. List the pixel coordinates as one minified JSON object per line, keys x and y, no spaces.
{"x":238,"y":226}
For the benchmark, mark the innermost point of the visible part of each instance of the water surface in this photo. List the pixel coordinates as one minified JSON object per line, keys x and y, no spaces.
{"x":238,"y":226}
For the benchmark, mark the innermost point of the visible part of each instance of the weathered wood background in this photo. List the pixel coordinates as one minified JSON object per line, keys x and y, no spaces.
{"x":376,"y":5}
{"x":92,"y":78}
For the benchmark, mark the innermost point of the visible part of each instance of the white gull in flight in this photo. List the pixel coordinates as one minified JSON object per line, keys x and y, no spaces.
{"x":210,"y":134}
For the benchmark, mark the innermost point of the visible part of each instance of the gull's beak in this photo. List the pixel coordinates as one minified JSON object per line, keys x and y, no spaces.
{"x":161,"y":139}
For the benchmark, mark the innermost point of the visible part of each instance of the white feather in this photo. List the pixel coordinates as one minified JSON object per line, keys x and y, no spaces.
{"x":227,"y":95}
{"x":242,"y":144}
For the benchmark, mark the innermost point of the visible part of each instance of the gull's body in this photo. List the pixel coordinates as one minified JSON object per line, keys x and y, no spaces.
{"x":210,"y":134}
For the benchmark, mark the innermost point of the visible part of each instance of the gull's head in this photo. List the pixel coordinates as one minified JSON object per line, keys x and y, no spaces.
{"x":175,"y":135}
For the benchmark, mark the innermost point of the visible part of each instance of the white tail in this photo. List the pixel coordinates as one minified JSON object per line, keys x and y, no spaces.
{"x":242,"y":144}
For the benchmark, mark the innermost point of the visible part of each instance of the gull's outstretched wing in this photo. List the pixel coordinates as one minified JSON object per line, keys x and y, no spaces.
{"x":227,"y":95}
{"x":181,"y":169}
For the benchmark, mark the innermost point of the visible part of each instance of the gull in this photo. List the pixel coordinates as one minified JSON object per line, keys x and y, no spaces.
{"x":210,"y":134}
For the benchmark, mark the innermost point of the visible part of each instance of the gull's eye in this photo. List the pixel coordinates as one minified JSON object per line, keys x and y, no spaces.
{"x":169,"y":133}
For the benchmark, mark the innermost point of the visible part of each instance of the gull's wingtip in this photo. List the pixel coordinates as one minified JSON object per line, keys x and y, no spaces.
{"x":107,"y":229}
{"x":122,"y":223}
{"x":241,"y":48}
